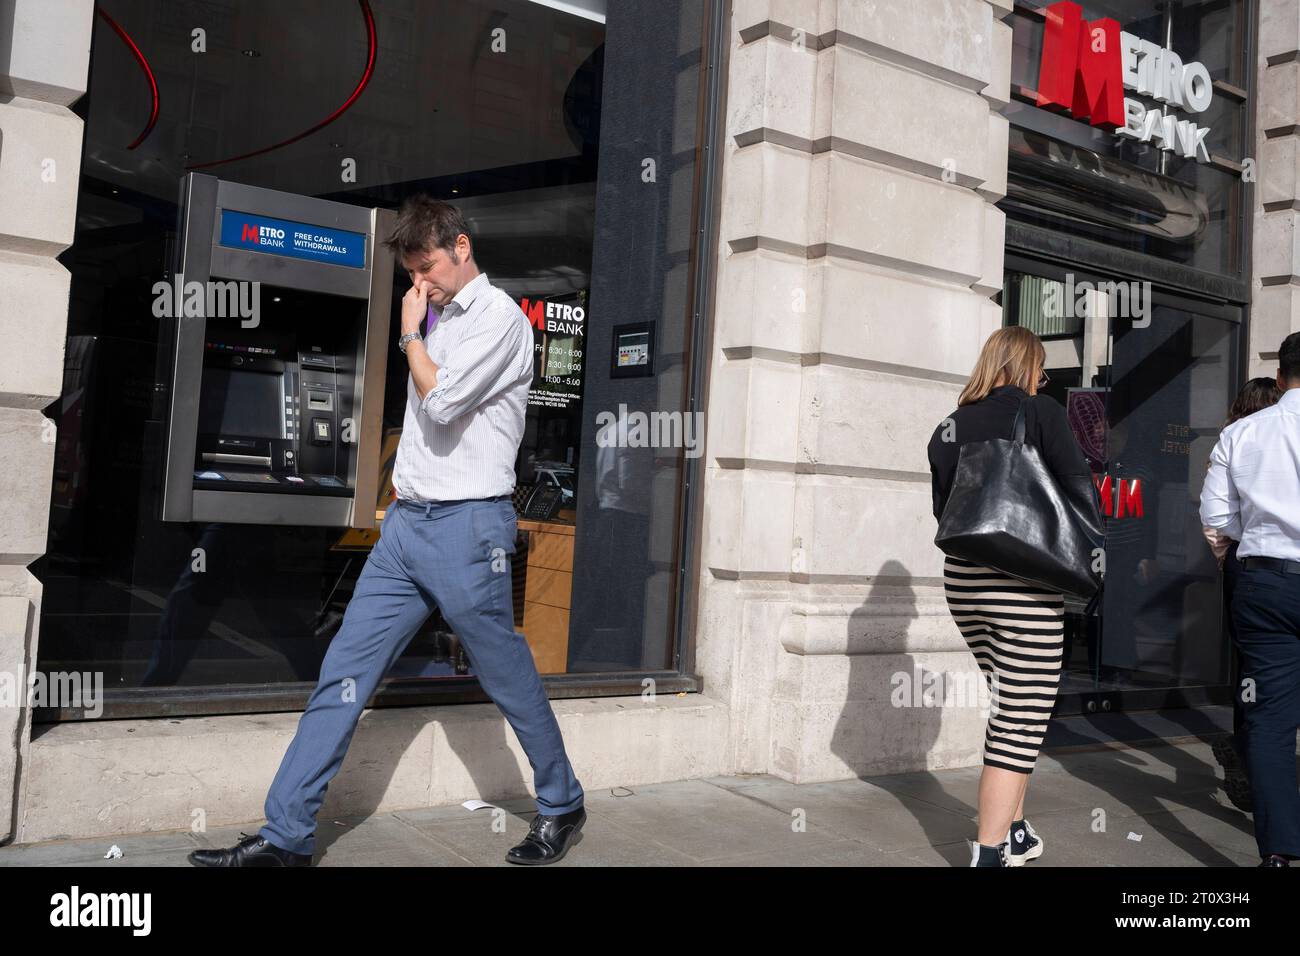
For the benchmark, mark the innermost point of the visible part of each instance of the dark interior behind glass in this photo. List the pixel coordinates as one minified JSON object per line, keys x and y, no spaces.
{"x":536,"y":144}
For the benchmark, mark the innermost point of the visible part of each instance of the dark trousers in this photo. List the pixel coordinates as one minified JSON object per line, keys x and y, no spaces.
{"x":1266,"y":613}
{"x":1231,"y":573}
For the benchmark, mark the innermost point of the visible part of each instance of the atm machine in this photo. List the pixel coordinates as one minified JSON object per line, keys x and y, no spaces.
{"x":279,"y":318}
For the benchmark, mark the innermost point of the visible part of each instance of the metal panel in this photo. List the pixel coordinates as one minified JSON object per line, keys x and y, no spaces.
{"x":372,"y":359}
{"x":227,"y":263}
{"x":279,"y":270}
{"x":704,"y":282}
{"x":282,"y":205}
{"x":361,"y":370}
{"x":198,"y":200}
{"x":251,"y":507}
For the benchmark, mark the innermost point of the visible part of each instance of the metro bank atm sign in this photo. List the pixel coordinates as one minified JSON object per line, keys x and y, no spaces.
{"x":1086,"y":66}
{"x":297,"y":240}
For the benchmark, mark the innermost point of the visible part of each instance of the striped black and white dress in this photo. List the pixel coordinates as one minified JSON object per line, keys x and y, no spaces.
{"x":1017,"y":633}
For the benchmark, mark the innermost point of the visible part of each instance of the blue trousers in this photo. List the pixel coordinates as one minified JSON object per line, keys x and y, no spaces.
{"x":455,"y":555}
{"x":1266,"y":612}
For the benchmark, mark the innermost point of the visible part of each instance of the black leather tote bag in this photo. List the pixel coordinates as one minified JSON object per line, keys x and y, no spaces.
{"x":1008,"y":512}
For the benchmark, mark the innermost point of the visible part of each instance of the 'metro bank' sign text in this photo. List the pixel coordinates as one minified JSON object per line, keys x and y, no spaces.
{"x":1086,"y":66}
{"x":297,"y":240}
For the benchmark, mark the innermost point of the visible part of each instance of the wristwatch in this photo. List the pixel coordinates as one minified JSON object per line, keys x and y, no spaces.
{"x":406,"y":340}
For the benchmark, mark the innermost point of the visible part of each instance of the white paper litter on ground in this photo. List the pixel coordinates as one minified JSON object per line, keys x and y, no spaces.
{"x":472,"y":805}
{"x":1135,"y":837}
{"x":114,"y":853}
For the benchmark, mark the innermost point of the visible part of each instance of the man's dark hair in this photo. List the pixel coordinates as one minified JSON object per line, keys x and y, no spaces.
{"x":424,"y":223}
{"x":1288,"y":357}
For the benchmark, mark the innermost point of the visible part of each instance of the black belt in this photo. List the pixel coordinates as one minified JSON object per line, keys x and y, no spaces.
{"x":421,"y":503}
{"x":1271,"y":564}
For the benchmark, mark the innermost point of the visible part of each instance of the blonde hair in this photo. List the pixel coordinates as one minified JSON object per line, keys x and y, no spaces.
{"x":1011,"y":356}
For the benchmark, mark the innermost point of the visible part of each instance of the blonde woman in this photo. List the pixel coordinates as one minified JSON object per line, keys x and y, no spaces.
{"x":1015,"y":630}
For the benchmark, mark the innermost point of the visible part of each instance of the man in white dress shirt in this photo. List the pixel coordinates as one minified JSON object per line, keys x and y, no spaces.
{"x":446,"y":542}
{"x":1252,"y":495}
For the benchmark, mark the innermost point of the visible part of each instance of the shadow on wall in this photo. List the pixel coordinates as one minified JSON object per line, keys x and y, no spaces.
{"x":894,"y":712}
{"x":886,"y":725}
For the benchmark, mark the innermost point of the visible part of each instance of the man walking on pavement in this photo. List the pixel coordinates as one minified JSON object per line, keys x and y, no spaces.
{"x":1252,"y":494}
{"x":446,"y":542}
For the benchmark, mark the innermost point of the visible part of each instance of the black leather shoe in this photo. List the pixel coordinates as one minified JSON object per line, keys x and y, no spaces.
{"x":1274,"y":860}
{"x":548,"y":838}
{"x":253,"y":850}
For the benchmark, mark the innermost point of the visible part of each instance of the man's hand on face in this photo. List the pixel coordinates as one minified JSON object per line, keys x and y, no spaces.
{"x":415,"y":306}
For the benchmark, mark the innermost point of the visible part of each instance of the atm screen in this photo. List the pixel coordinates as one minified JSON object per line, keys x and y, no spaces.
{"x":242,"y":403}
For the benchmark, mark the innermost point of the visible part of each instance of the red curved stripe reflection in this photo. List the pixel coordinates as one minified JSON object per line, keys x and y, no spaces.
{"x":144,"y":65}
{"x":372,"y":44}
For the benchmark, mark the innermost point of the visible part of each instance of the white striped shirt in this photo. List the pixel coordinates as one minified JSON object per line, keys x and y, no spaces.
{"x":1252,"y":490}
{"x":462,"y":439}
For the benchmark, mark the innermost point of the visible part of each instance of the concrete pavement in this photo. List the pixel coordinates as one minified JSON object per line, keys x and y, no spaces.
{"x":1154,"y":805}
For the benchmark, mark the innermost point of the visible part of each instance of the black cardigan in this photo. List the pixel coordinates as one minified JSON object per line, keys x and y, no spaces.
{"x":994,"y":416}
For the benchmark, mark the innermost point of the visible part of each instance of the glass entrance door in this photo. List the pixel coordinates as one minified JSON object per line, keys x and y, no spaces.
{"x":1146,"y":378}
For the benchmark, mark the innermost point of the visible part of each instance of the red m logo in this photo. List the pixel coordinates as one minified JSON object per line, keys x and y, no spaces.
{"x":249,"y":234}
{"x":536,"y":312}
{"x":1130,"y":497}
{"x":1082,"y":68}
